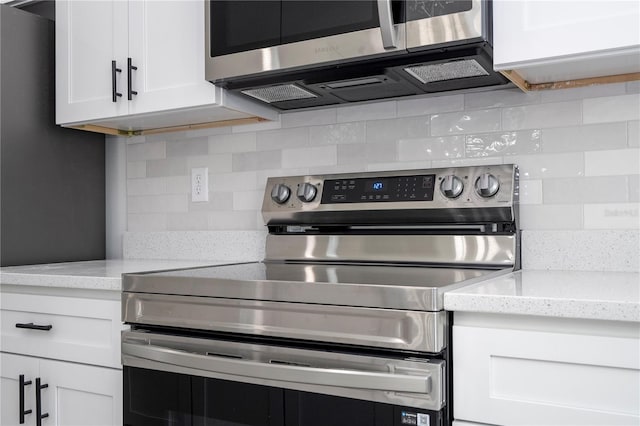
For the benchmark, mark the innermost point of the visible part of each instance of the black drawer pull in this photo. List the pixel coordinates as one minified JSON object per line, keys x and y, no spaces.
{"x":32,"y":326}
{"x":130,"y":91}
{"x":39,"y":414}
{"x":23,"y":412}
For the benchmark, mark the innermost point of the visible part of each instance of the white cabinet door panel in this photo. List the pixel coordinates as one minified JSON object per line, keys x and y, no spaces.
{"x":81,"y":394}
{"x":89,"y":35}
{"x":166,"y":43}
{"x":11,"y":367}
{"x":521,"y":377}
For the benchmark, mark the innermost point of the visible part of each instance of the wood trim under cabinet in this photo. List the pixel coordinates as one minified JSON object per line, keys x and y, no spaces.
{"x":117,"y":132}
{"x":525,"y":86}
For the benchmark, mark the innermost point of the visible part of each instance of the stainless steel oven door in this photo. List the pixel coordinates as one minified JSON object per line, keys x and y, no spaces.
{"x":416,"y":383}
{"x":388,"y":38}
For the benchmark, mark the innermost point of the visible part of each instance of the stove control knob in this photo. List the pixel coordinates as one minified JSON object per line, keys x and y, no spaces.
{"x":451,"y":186}
{"x":280,"y":193}
{"x":306,"y":192}
{"x":487,"y":185}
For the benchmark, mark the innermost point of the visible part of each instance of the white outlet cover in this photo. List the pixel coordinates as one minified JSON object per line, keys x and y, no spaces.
{"x":200,"y":184}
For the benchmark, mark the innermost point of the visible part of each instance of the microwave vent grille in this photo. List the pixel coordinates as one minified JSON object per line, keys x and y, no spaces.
{"x":446,"y":71}
{"x":283,"y":92}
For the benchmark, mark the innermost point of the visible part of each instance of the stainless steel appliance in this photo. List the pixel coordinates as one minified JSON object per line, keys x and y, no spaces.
{"x":297,"y":54}
{"x":342,"y":324}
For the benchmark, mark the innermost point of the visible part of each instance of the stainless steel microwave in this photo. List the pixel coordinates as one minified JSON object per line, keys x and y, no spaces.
{"x":302,"y":53}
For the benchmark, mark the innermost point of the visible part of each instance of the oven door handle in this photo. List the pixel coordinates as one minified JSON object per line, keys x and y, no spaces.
{"x":177,"y":360}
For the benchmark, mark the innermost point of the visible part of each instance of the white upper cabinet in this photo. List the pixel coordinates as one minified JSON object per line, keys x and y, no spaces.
{"x":551,"y":41}
{"x":139,"y":64}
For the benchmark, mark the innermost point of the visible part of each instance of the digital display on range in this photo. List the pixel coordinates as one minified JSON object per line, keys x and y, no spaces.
{"x":387,"y":189}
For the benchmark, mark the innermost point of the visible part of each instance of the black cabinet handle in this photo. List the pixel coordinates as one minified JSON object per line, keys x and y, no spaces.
{"x":114,"y":91}
{"x":32,"y":326}
{"x":130,"y":67}
{"x":23,"y":412}
{"x":39,"y":414}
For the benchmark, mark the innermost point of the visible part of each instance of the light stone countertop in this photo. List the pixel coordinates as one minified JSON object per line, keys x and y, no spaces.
{"x":92,"y":275}
{"x":568,"y":294}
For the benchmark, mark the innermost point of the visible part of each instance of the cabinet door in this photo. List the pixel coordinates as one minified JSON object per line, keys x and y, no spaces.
{"x":80,"y":394}
{"x":89,"y":36}
{"x":537,"y":33}
{"x":518,"y":377}
{"x":166,"y":45}
{"x":11,"y":367}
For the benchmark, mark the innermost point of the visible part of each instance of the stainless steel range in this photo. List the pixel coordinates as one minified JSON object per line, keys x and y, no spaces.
{"x":342,"y":323}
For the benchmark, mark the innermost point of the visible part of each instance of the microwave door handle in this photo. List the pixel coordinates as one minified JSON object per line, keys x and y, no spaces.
{"x":346,"y":378}
{"x":387,"y":31}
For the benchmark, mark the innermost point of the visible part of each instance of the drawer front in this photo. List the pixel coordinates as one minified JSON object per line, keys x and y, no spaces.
{"x":81,"y":330}
{"x":519,"y":377}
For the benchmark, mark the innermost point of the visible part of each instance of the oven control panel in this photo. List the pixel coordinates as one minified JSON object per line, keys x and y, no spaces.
{"x":448,"y":190}
{"x":379,"y":189}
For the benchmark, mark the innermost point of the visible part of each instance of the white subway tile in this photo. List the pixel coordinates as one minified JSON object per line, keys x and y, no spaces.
{"x":500,"y":98}
{"x":366,"y":153}
{"x":193,"y":221}
{"x":633,"y":86}
{"x":448,"y":147}
{"x":633,"y":133}
{"x":148,"y":186}
{"x":200,"y":133}
{"x":503,"y":143}
{"x":136,"y":169}
{"x":146,"y":222}
{"x":549,"y":165}
{"x":486,"y":120}
{"x":310,"y":157}
{"x":385,"y":131}
{"x":309,"y":118}
{"x":186,"y":147}
{"x":129,"y":140}
{"x":257,"y":127}
{"x":349,"y":168}
{"x":284,"y":138}
{"x":612,"y":216}
{"x":260,"y":160}
{"x":169,"y":167}
{"x":241,"y":142}
{"x":247,"y":200}
{"x":575,"y":93}
{"x":584,"y":138}
{"x":611,"y":108}
{"x":462,"y":162}
{"x":166,"y":137}
{"x":178,"y":184}
{"x":236,"y":181}
{"x":236,"y":220}
{"x":607,"y":189}
{"x":146,"y":151}
{"x":549,"y":216}
{"x":166,"y":203}
{"x":405,"y":165}
{"x":335,"y":134}
{"x":430,"y":105}
{"x":541,"y":116}
{"x":217,"y":163}
{"x":634,"y":188}
{"x":374,"y":111}
{"x":614,"y":162}
{"x":531,"y":191}
{"x":218,"y":200}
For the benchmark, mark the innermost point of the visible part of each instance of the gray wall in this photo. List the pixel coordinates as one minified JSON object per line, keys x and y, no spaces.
{"x":52,"y":199}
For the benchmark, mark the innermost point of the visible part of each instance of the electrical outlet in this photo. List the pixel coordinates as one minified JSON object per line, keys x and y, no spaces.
{"x":200,"y":184}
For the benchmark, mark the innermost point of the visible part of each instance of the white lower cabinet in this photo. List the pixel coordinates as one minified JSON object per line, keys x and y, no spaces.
{"x":70,"y":394}
{"x":70,"y":344}
{"x":546,"y":374}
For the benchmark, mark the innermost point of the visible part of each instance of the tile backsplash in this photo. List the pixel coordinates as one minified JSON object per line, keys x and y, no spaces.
{"x":577,"y":149}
